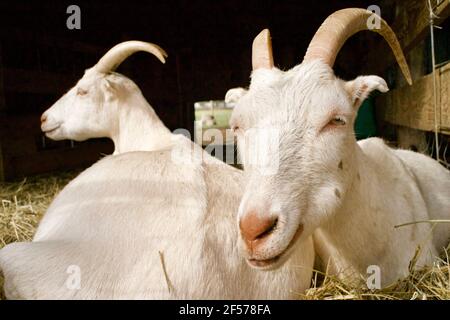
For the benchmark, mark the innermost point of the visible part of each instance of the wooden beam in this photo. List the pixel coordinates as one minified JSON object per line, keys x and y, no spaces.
{"x":2,"y":108}
{"x":2,"y":90}
{"x":411,"y":25}
{"x":416,"y":15}
{"x":444,"y":75}
{"x":413,"y":106}
{"x":2,"y":169}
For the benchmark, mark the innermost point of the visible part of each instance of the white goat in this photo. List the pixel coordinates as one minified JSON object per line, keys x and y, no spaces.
{"x":154,"y":225}
{"x":107,"y":104}
{"x":353,"y":193}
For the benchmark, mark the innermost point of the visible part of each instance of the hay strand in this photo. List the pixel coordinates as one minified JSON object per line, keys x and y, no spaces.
{"x":166,"y":276}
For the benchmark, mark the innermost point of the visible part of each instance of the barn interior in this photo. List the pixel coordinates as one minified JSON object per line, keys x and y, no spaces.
{"x":209,"y":48}
{"x":209,"y":52}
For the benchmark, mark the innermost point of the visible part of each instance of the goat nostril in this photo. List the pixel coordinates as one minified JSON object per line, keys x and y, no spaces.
{"x":253,"y":227}
{"x":271,"y":227}
{"x":43,"y":118}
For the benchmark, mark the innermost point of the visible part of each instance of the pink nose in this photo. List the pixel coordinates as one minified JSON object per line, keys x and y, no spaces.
{"x":255,"y":229}
{"x":43,"y":118}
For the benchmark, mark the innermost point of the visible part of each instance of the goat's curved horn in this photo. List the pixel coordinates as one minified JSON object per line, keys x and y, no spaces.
{"x":340,"y":26}
{"x":117,"y":54}
{"x":262,"y":51}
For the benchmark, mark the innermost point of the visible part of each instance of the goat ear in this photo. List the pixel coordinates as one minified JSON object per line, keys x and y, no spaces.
{"x":109,"y":88}
{"x":234,"y":95}
{"x":107,"y":85}
{"x":360,"y":88}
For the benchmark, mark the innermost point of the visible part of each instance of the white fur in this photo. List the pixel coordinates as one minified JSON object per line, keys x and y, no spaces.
{"x":111,"y":106}
{"x":115,"y":217}
{"x":354,"y":193}
{"x":233,"y":95}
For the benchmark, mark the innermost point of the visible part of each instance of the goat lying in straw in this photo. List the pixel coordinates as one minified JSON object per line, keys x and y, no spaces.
{"x":354,"y":193}
{"x":155,"y":225}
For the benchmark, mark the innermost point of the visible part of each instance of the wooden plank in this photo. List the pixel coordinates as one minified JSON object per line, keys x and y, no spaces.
{"x":2,"y":169}
{"x":411,"y":26}
{"x":2,"y":108}
{"x":413,"y":106}
{"x":444,"y":75}
{"x":2,"y":90}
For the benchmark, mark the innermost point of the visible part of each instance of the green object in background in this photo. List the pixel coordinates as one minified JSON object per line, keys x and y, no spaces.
{"x":365,"y":124}
{"x":213,"y":113}
{"x":221,"y":116}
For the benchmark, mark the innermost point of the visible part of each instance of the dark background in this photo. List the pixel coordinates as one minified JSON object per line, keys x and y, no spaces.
{"x":209,"y":47}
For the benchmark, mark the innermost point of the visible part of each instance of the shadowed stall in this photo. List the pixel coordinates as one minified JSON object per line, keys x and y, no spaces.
{"x":209,"y":47}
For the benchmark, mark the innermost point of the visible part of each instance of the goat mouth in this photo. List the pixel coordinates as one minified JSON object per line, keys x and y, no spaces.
{"x":51,"y":129}
{"x":270,"y":262}
{"x":264,"y":263}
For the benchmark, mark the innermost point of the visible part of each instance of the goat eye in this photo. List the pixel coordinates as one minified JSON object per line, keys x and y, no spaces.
{"x":81,"y":92}
{"x":338,"y":121}
{"x":236,"y":129}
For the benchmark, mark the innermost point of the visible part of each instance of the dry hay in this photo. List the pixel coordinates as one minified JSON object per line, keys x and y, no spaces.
{"x":23,"y":203}
{"x":430,"y":283}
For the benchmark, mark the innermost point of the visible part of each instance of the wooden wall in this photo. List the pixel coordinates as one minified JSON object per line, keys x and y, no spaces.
{"x":413,"y":106}
{"x":407,"y":113}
